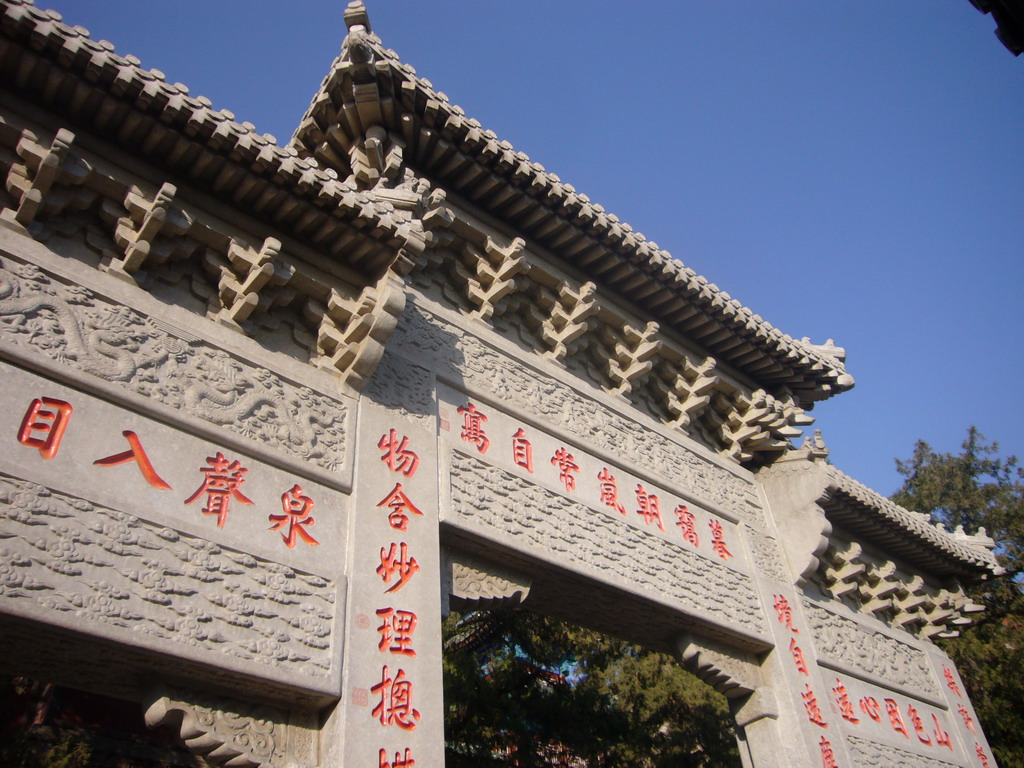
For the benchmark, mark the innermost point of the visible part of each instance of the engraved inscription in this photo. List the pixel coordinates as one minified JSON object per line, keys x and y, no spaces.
{"x":510,"y":508}
{"x":486,"y":370}
{"x":74,"y":327}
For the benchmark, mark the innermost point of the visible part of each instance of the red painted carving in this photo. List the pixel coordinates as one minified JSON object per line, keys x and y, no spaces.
{"x":398,"y":762}
{"x":221,"y":482}
{"x":951,"y":681}
{"x":400,"y":507}
{"x":982,"y":757}
{"x":137,"y":454}
{"x":893,"y":710}
{"x":785,"y":611}
{"x":718,"y":539}
{"x":396,"y":562}
{"x":811,"y":705}
{"x":844,"y":703}
{"x":43,"y":425}
{"x":915,"y":720}
{"x":297,"y":507}
{"x":798,"y":657}
{"x":828,"y":756}
{"x":473,"y":427}
{"x":650,"y":509}
{"x":942,"y":737}
{"x":396,"y":631}
{"x":687,"y":524}
{"x":395,"y":705}
{"x":869,"y":706}
{"x":397,"y":455}
{"x":968,"y":720}
{"x":567,"y":466}
{"x":522,"y":451}
{"x":609,"y":491}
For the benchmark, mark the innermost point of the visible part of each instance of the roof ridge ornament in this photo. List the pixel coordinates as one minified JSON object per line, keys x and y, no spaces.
{"x":356,"y":17}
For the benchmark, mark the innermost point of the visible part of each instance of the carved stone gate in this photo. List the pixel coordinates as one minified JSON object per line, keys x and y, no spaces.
{"x":267,"y":410}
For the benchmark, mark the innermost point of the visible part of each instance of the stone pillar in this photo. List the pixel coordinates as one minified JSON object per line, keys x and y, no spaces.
{"x":391,"y":706}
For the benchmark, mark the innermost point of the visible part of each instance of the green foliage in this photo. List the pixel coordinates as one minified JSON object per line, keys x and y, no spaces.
{"x":528,"y":690}
{"x":976,"y":488}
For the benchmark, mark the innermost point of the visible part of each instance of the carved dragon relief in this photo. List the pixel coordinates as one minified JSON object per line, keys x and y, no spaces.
{"x":147,"y":235}
{"x":74,"y":327}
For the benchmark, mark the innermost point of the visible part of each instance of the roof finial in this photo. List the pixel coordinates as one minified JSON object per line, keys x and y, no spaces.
{"x":356,"y":17}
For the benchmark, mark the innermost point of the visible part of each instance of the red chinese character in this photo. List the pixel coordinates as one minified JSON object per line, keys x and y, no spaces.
{"x":941,"y":736}
{"x":400,"y":507}
{"x":650,"y":509}
{"x":785,"y":612}
{"x":395,"y":706}
{"x":396,"y":561}
{"x":915,"y":720}
{"x":221,"y":483}
{"x":43,"y":425}
{"x":522,"y":451}
{"x":137,"y":454}
{"x":951,"y":681}
{"x":844,"y":703}
{"x":397,"y":455}
{"x":893,"y":710}
{"x":473,"y":428}
{"x":566,"y":464}
{"x":296,"y":514}
{"x":718,"y":540}
{"x":968,"y":720}
{"x":609,"y":491}
{"x":396,"y":631}
{"x":981,"y":755}
{"x":828,"y":756}
{"x":811,"y":705}
{"x":870,"y":707}
{"x":399,"y":761}
{"x":687,"y":524}
{"x":798,"y":657}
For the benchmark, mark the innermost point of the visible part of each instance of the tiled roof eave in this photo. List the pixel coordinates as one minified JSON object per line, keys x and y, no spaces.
{"x":584,"y":234}
{"x":856,"y":505}
{"x":117,"y":99}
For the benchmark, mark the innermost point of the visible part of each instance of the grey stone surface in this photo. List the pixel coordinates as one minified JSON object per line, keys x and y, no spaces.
{"x":857,"y":647}
{"x":566,"y":534}
{"x":266,"y":359}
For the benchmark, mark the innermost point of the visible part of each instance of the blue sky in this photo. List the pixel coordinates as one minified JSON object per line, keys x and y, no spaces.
{"x":849,"y":170}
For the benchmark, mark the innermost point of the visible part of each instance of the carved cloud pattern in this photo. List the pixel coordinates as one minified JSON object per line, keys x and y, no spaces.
{"x":844,"y":640}
{"x":65,"y":555}
{"x":543,"y":522}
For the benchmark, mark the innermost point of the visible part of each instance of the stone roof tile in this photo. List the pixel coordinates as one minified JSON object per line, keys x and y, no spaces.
{"x":974,"y":551}
{"x":146,"y":91}
{"x":818,"y":370}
